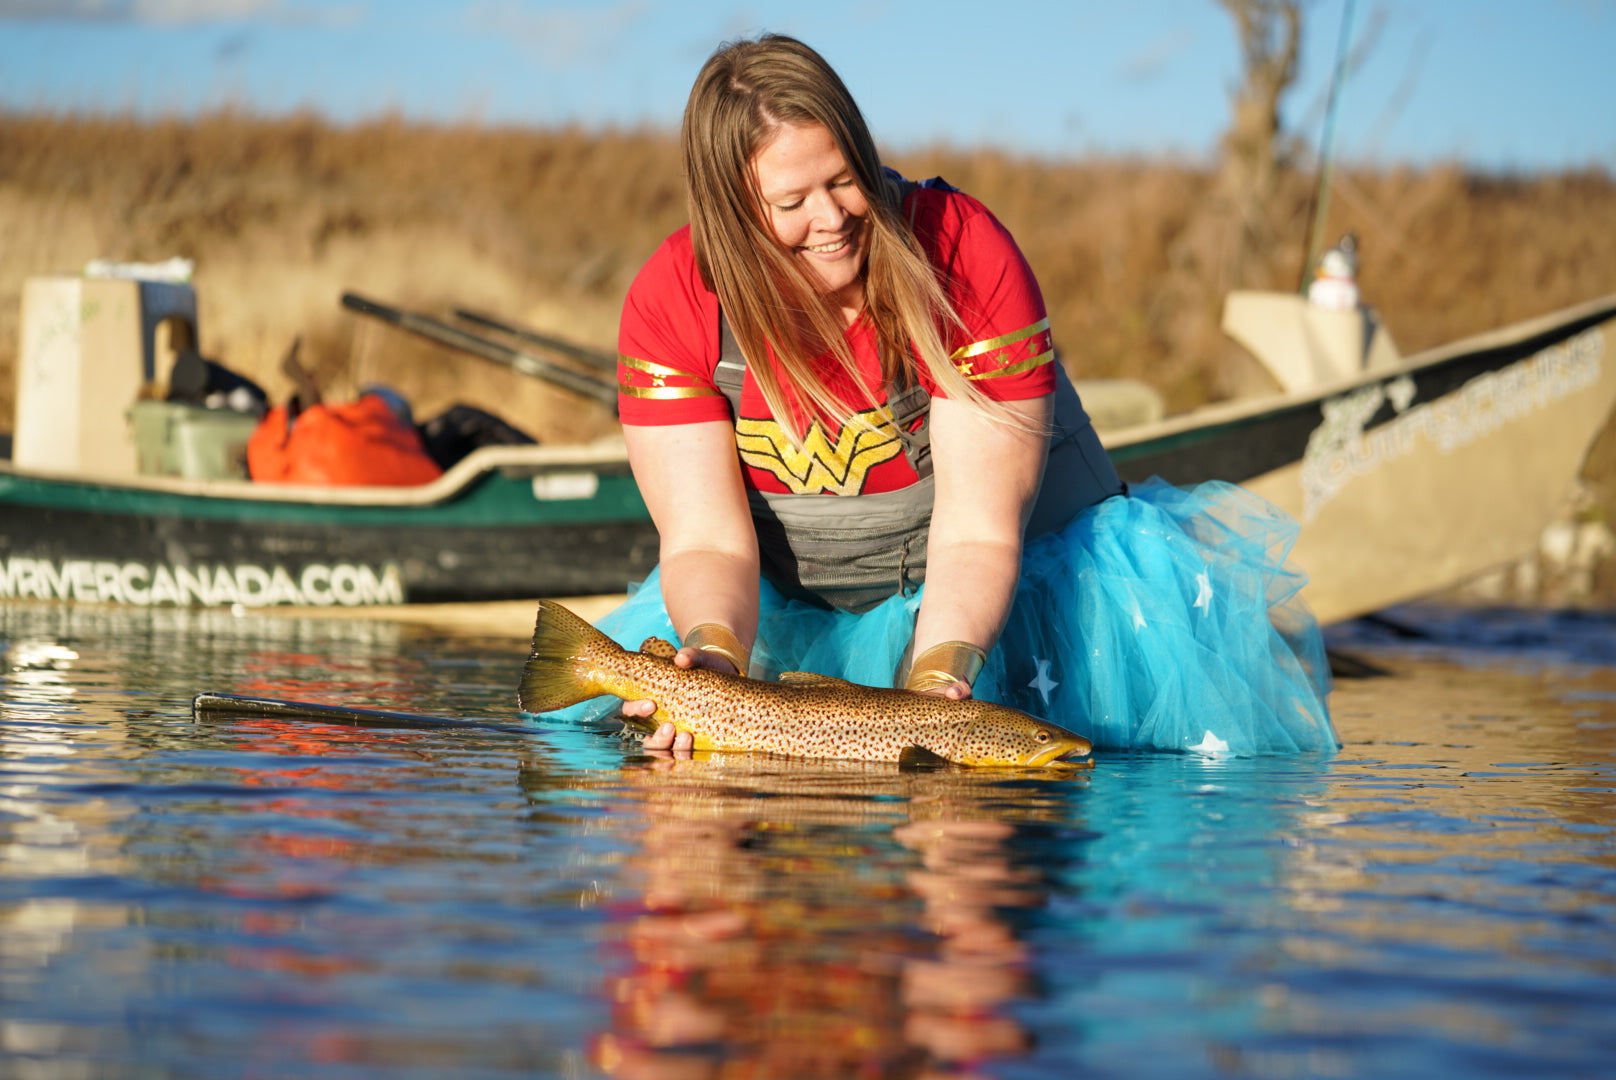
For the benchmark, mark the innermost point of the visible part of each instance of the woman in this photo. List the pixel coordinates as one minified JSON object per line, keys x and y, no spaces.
{"x":841,"y":405}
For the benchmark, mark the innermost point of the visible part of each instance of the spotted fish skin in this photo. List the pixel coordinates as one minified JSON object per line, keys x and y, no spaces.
{"x":802,"y":714}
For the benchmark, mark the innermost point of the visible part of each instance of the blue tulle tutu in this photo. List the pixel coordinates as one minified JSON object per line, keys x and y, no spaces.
{"x":1165,"y":619}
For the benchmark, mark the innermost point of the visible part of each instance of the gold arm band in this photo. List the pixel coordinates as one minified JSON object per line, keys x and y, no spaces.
{"x":943,"y":665}
{"x":717,"y":638}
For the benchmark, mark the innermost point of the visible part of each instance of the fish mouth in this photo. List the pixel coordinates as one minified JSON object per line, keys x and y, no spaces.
{"x":1061,"y":752}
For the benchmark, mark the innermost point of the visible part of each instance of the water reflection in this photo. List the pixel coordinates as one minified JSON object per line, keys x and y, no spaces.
{"x":1478,"y":826}
{"x":242,"y":897}
{"x":223,"y":899}
{"x":793,"y":918}
{"x":39,"y":839}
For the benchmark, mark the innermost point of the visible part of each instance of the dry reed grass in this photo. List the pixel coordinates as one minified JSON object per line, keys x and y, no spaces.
{"x":547,"y":228}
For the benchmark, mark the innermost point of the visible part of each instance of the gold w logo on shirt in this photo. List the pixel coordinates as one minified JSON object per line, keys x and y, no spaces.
{"x":821,"y":467}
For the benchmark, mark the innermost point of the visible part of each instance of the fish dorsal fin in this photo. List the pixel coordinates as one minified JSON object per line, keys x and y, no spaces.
{"x":655,"y":646}
{"x":811,"y":678}
{"x":918,"y":757}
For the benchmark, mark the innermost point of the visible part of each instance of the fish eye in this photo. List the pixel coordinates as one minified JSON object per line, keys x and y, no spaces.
{"x":1042,"y":736}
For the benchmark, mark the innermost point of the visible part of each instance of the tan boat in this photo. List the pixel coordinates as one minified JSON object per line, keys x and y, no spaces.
{"x":1410,"y":475}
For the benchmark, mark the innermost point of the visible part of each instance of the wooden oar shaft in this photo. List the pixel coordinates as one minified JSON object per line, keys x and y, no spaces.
{"x":454,"y":337}
{"x":603,"y":361}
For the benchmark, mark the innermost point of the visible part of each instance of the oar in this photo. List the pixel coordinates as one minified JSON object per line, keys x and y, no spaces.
{"x":605,"y":361}
{"x":282,"y":709}
{"x":454,"y":337}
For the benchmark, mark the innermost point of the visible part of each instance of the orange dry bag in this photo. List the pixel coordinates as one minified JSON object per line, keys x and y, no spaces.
{"x":361,"y":442}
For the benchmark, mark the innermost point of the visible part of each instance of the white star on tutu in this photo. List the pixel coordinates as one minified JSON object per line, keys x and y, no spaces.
{"x":1203,"y":598}
{"x":1210,"y":744}
{"x":1042,"y":682}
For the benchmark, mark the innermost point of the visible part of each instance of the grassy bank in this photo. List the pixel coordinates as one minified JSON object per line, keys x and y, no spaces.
{"x":548,"y":228}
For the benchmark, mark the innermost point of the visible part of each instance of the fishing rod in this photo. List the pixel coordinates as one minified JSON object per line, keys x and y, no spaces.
{"x":1319,"y":212}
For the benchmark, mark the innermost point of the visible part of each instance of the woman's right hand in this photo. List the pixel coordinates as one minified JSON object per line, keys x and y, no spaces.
{"x":665,"y":737}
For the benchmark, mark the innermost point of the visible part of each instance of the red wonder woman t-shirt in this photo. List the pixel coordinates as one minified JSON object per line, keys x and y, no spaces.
{"x":668,"y":348}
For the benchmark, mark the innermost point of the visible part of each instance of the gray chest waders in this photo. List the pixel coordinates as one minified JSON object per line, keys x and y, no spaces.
{"x":854,"y":551}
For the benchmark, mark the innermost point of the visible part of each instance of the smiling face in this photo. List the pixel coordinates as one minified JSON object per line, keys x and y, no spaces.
{"x":814,"y":205}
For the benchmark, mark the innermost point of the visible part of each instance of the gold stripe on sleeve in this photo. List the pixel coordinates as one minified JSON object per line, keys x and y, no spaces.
{"x":634,"y":363}
{"x":665,"y":393}
{"x":1018,"y":367}
{"x":980,"y":347}
{"x":659,"y":373}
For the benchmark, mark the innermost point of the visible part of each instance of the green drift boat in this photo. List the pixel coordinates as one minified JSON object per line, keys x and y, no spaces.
{"x":1408,"y":475}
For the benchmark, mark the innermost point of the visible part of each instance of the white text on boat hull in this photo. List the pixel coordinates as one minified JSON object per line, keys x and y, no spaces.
{"x":1340,"y":450}
{"x":149,"y":584}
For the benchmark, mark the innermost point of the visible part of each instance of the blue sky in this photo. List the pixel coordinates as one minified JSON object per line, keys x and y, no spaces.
{"x":1495,"y":84}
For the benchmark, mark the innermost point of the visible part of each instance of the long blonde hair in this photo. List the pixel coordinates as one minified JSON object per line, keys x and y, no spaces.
{"x":744,"y":93}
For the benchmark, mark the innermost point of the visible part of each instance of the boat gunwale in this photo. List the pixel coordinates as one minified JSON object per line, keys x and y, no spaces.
{"x":1243,"y":411}
{"x":608,"y":453}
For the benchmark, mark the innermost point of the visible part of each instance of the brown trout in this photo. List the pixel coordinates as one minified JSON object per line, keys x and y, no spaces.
{"x":803,"y":714}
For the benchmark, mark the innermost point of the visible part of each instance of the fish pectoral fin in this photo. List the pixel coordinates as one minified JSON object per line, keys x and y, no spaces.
{"x":647,"y":724}
{"x":811,"y":678}
{"x":918,"y":757}
{"x":655,"y":646}
{"x":642,"y":724}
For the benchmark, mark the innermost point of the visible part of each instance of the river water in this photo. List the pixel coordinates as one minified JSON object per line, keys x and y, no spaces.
{"x":238,"y":897}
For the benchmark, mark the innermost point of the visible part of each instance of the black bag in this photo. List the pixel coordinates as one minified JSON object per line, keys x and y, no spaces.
{"x":460,"y":429}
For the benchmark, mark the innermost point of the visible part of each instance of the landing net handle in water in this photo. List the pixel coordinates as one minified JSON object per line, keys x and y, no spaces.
{"x":216,"y":704}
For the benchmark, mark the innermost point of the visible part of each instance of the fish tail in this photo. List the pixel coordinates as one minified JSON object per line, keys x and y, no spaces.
{"x":553,"y":677}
